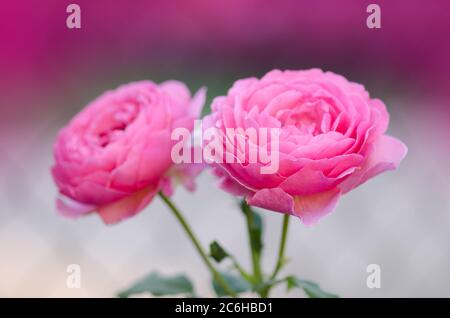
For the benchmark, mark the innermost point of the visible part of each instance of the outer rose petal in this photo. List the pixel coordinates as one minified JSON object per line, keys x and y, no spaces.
{"x":307,"y":181}
{"x":227,"y":183}
{"x":233,"y":187}
{"x":386,"y":154}
{"x":177,"y":90}
{"x":309,"y":208}
{"x":71,"y":208}
{"x":197,"y":103}
{"x":272,"y":199}
{"x":127,"y":207}
{"x":183,"y":174}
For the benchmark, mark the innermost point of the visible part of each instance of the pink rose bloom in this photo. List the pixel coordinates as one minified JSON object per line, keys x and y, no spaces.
{"x":114,"y":156}
{"x":331,"y":140}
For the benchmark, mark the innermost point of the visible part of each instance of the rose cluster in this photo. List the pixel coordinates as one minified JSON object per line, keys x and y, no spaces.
{"x":115,"y":155}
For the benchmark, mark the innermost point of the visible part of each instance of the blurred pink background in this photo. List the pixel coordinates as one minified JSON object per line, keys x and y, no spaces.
{"x":49,"y":72}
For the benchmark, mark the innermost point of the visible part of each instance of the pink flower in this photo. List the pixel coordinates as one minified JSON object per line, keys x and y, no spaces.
{"x":114,"y":156}
{"x":331,"y":140}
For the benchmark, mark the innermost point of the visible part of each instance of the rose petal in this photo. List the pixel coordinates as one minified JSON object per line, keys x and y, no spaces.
{"x":386,"y":154}
{"x":311,"y":208}
{"x":127,"y":207}
{"x":272,"y":199}
{"x":307,"y":181}
{"x":71,"y":208}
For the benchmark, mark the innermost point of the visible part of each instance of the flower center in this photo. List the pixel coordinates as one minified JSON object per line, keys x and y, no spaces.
{"x":310,"y":117}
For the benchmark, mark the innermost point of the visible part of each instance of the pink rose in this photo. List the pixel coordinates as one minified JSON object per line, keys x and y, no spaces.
{"x":114,"y":156}
{"x":331,"y":140}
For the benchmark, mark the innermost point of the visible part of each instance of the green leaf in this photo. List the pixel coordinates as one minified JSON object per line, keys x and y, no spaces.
{"x":311,"y":289}
{"x":255,"y":226}
{"x":217,"y":252}
{"x":236,"y":283}
{"x":158,"y":285}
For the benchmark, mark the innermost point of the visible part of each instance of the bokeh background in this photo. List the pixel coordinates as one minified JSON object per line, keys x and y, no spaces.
{"x":400,"y":220}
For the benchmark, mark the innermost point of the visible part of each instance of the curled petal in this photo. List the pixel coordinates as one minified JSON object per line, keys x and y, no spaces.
{"x":309,"y":208}
{"x":385,"y":154}
{"x":197,"y":103}
{"x":229,"y":184}
{"x":176,"y":90}
{"x":71,"y":208}
{"x":272,"y":199}
{"x":117,"y":211}
{"x":307,"y":181}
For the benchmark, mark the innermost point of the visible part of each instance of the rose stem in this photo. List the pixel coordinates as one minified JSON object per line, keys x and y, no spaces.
{"x":256,"y":257}
{"x":264,"y":293}
{"x":280,"y":261}
{"x":217,"y":276}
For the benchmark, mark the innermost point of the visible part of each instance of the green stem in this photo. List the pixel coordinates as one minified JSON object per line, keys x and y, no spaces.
{"x":240,"y":269}
{"x":281,"y":260}
{"x":256,"y":256}
{"x":216,"y":275}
